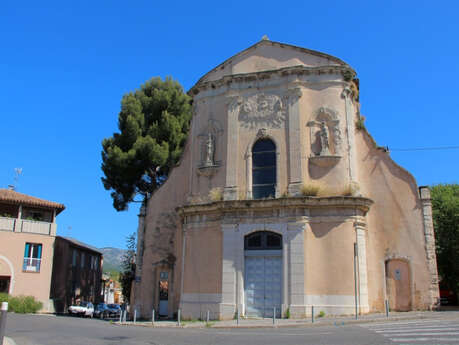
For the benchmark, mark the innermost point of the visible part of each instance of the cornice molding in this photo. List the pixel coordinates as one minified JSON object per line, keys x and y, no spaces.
{"x":263,"y":75}
{"x":238,"y":207}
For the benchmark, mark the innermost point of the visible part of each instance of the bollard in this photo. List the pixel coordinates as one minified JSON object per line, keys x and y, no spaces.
{"x":153,"y":317}
{"x":135,"y":315}
{"x":3,"y":314}
{"x":178,"y":317}
{"x":274,"y":315}
{"x":207,"y":317}
{"x":125,"y":316}
{"x":312,"y":314}
{"x":386,"y":302}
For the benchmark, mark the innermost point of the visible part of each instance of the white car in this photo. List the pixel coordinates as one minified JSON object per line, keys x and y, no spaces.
{"x":82,"y":309}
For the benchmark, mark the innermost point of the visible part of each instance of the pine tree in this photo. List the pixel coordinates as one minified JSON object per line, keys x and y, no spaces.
{"x":153,"y":124}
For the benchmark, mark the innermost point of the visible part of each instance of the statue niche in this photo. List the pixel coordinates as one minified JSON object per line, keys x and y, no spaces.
{"x":208,"y":165}
{"x":209,"y":151}
{"x":325,"y":138}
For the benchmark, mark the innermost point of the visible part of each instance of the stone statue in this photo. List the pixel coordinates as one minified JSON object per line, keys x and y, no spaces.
{"x":209,"y":150}
{"x":324,"y":140}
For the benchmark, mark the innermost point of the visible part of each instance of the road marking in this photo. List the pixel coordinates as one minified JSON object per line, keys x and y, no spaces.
{"x":426,"y":329}
{"x":400,"y":323}
{"x":423,"y":334}
{"x":252,"y":333}
{"x":404,"y":340}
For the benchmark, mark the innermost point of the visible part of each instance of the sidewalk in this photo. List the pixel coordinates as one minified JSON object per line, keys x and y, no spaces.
{"x":318,"y":321}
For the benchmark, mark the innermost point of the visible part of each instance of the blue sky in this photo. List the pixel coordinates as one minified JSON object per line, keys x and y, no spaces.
{"x":64,"y":66}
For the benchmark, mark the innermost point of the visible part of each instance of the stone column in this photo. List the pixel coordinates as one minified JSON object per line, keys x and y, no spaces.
{"x":350,"y":129}
{"x":294,"y":141}
{"x":229,"y":271}
{"x":429,"y":237}
{"x":360,"y":232}
{"x":230,"y":190}
{"x":182,"y":275}
{"x":295,"y":267}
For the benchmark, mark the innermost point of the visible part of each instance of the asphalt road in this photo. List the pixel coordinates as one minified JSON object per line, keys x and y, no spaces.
{"x":63,"y":330}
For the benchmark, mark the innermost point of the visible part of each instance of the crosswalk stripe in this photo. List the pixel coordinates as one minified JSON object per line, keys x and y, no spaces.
{"x":427,"y":329}
{"x":404,"y":340}
{"x":372,"y":325}
{"x":417,"y":332}
{"x":423,"y":334}
{"x":395,"y":329}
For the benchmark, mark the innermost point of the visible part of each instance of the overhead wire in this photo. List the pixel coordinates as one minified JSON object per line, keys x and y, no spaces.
{"x":424,"y":148}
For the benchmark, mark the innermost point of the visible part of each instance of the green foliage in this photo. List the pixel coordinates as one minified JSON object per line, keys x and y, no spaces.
{"x":21,"y":304}
{"x":348,"y":75}
{"x":113,"y":274}
{"x":287,"y":314}
{"x":445,"y":208}
{"x":360,"y":124}
{"x":321,"y":314}
{"x":153,"y":122}
{"x":128,"y":265}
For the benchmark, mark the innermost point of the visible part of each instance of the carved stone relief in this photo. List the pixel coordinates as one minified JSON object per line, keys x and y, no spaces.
{"x":262,"y":110}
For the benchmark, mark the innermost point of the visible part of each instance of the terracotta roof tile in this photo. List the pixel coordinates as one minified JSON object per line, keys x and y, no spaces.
{"x":12,"y":197}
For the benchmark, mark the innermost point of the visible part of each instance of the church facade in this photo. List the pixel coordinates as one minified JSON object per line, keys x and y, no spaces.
{"x":283,"y":201}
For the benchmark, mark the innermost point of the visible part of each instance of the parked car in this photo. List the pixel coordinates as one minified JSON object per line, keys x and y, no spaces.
{"x":102,"y":311}
{"x":115,"y":309}
{"x":82,"y":309}
{"x":447,"y":296}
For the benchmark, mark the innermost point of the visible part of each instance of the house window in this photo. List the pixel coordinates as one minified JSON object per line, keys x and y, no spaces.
{"x":74,"y":258}
{"x":32,"y":257}
{"x":264,"y":169}
{"x":82,"y":260}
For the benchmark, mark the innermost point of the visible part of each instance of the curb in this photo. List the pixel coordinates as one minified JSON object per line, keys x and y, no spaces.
{"x":293,"y":324}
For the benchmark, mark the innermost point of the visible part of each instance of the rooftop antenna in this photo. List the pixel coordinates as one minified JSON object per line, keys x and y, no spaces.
{"x":17,"y":173}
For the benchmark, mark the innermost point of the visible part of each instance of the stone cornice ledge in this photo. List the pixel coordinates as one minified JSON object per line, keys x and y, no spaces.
{"x":228,"y":206}
{"x":248,"y":77}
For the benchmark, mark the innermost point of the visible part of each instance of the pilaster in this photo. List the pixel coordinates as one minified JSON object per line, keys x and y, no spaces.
{"x":360,"y":232}
{"x":429,"y":237}
{"x":350,"y":129}
{"x":294,"y":141}
{"x":230,"y":190}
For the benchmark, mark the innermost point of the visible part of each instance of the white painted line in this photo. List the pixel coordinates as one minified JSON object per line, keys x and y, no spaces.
{"x":399,"y":323}
{"x":426,"y":329}
{"x":253,"y":333}
{"x":423,"y":334}
{"x":404,"y":340}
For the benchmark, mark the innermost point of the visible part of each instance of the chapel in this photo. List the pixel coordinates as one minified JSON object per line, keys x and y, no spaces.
{"x":283,"y":201}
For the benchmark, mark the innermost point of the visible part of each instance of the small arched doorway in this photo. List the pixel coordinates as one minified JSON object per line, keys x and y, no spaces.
{"x":263,"y":169}
{"x":398,"y":284}
{"x":263,"y":274}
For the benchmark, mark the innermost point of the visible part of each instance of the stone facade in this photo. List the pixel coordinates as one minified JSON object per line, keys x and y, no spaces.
{"x":281,"y":201}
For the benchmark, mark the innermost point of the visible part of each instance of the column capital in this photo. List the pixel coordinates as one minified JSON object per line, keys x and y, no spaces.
{"x":360,"y":225}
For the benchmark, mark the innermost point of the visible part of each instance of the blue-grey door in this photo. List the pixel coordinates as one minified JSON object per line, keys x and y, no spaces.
{"x":263,"y":284}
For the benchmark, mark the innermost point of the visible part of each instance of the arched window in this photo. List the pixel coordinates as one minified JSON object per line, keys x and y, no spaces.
{"x":263,"y":240}
{"x":263,"y":169}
